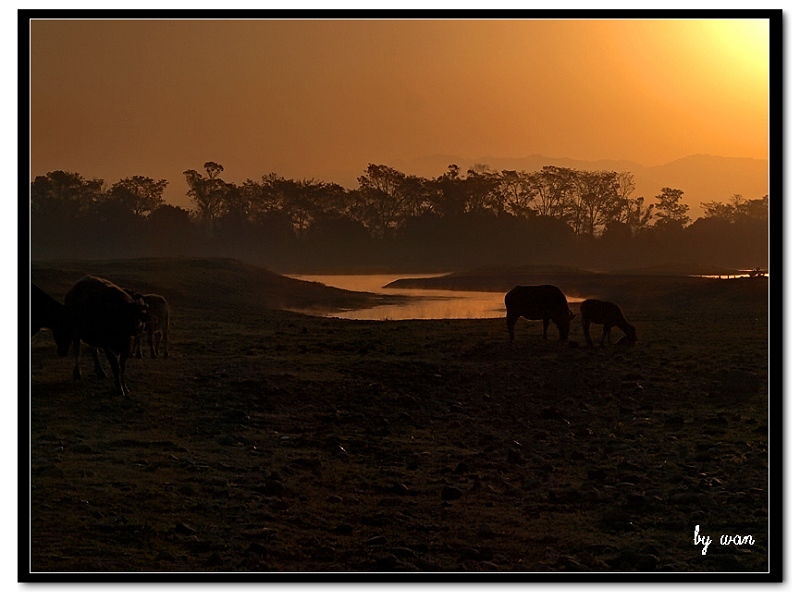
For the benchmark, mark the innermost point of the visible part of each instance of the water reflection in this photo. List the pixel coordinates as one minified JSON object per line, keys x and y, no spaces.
{"x":732,"y":276}
{"x":422,"y":303}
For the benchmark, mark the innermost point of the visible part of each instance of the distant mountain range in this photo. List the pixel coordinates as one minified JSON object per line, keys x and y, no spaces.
{"x":703,"y":178}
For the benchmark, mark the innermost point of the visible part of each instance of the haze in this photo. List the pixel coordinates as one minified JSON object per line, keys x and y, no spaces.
{"x":323,"y":98}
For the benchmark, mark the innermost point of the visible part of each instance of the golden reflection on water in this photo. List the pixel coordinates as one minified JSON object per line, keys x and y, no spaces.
{"x":422,"y":303}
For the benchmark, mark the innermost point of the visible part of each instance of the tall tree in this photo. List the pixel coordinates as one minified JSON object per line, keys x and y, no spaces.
{"x":636,"y":215}
{"x":138,"y":194}
{"x":61,"y":205}
{"x":208,"y":192}
{"x":737,"y":208}
{"x":596,"y":202}
{"x":555,"y":186}
{"x":669,"y":209}
{"x":516,"y":191}
{"x":62,"y":195}
{"x":389,"y":197}
{"x":449,"y":197}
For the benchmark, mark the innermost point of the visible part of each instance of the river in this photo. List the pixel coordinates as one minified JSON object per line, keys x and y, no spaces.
{"x":422,"y":303}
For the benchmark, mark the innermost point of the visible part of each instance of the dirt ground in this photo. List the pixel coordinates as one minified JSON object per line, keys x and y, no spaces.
{"x":275,"y":442}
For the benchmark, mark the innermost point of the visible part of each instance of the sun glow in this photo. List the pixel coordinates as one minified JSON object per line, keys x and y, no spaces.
{"x":746,"y":41}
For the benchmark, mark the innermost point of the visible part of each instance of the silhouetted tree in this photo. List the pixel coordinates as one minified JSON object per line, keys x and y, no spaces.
{"x":170,"y":231}
{"x":555,"y":187}
{"x":635,"y":215}
{"x":138,"y":194}
{"x":388,"y":197}
{"x":208,"y":192}
{"x":517,"y":190}
{"x":62,"y":196}
{"x":596,"y":202}
{"x":482,"y":192}
{"x":737,"y":208}
{"x":60,"y":206}
{"x":669,"y":210}
{"x":449,"y":195}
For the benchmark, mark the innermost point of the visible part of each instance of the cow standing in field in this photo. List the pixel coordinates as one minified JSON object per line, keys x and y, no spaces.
{"x":104,"y":316}
{"x":538,"y":302}
{"x":608,"y":314}
{"x":47,"y":312}
{"x":156,"y":326}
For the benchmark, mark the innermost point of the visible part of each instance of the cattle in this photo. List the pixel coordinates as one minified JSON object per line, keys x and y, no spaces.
{"x":538,"y":302}
{"x":608,"y":314}
{"x":104,"y":316}
{"x":156,"y":326}
{"x":48,"y":313}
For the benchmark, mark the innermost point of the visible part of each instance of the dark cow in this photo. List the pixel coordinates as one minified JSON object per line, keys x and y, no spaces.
{"x":48,"y":313}
{"x":538,"y":302}
{"x":104,"y":316}
{"x":608,"y":314}
{"x":156,"y":326}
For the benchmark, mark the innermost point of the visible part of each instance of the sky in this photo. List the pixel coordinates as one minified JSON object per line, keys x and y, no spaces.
{"x":324,"y":98}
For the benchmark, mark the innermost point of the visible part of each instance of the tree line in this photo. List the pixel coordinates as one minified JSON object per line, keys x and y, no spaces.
{"x":392,"y":220}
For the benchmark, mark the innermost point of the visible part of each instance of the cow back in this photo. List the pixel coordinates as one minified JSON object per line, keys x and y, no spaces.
{"x":102,"y":314}
{"x":157,"y":308}
{"x":538,"y":302}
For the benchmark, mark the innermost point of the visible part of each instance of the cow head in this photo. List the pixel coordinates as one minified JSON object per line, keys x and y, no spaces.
{"x":143,"y":311}
{"x":563,"y":324}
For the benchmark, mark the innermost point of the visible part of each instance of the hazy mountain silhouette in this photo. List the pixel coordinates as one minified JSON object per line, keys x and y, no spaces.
{"x":703,"y":178}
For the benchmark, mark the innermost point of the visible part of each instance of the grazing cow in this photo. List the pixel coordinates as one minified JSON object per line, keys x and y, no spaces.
{"x":156,"y":326}
{"x":608,"y":314}
{"x":538,"y":302}
{"x":47,"y":312}
{"x":104,"y":316}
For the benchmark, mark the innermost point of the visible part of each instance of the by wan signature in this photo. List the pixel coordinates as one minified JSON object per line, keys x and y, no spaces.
{"x":724,"y":540}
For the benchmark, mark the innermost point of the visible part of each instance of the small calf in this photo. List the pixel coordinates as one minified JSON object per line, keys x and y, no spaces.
{"x":156,"y":325}
{"x":608,"y":314}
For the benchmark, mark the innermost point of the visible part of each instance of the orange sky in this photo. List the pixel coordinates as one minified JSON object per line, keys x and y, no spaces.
{"x":112,"y":99}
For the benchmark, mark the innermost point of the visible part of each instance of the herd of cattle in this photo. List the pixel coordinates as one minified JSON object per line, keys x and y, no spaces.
{"x":108,"y":317}
{"x":104,"y":316}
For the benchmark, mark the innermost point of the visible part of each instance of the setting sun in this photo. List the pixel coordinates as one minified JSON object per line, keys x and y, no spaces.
{"x":746,"y":41}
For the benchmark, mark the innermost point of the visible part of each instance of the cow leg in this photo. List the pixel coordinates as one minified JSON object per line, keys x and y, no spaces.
{"x":164,"y":338}
{"x":545,"y":325}
{"x":123,"y":359}
{"x":153,"y":349}
{"x":159,"y":338}
{"x":606,"y":334}
{"x":586,"y":324}
{"x":511,"y":321}
{"x":76,"y":371}
{"x":98,"y":369}
{"x":137,"y":347}
{"x":117,"y":370}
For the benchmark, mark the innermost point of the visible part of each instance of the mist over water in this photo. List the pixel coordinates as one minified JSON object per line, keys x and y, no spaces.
{"x":422,"y":303}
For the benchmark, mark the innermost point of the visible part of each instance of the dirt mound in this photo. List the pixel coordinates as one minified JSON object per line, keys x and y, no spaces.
{"x":197,"y":281}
